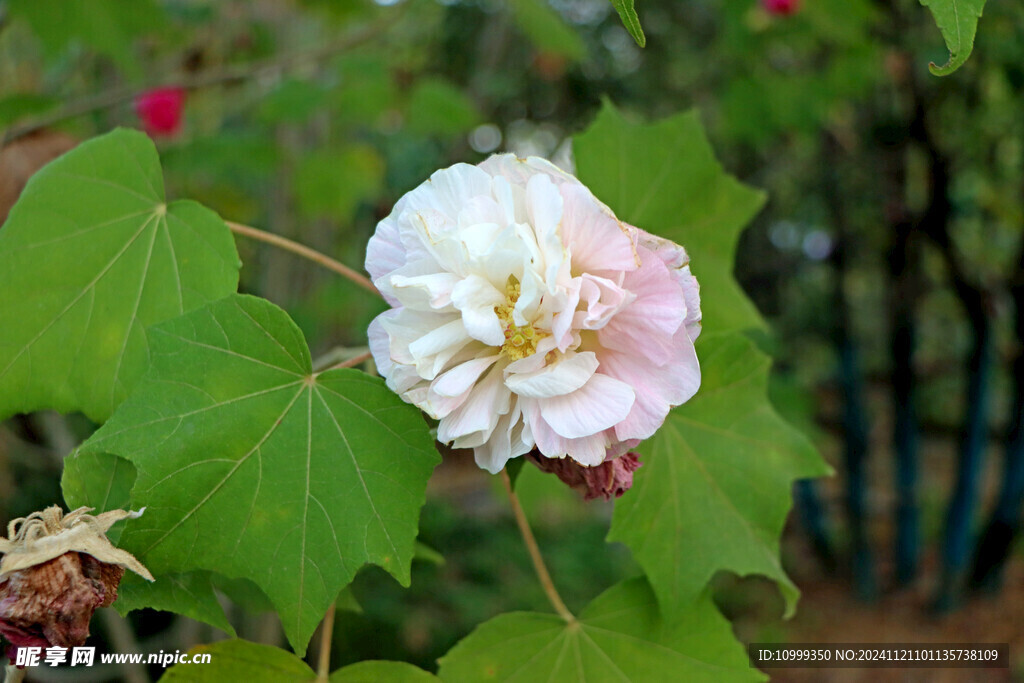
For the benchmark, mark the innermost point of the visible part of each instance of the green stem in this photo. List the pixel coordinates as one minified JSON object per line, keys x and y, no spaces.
{"x":531,"y":545}
{"x":305,"y":252}
{"x":323,"y":669}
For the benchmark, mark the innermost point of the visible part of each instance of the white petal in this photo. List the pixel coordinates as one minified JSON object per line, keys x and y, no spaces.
{"x":385,"y":253}
{"x":431,"y":291}
{"x":556,"y":379}
{"x":459,"y":379}
{"x":434,"y":349}
{"x":505,"y":443}
{"x":476,"y":298}
{"x":597,"y":405}
{"x":380,"y":345}
{"x":477,"y":417}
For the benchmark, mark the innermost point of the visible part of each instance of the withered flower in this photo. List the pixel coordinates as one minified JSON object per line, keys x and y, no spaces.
{"x":56,"y":570}
{"x":608,"y":480}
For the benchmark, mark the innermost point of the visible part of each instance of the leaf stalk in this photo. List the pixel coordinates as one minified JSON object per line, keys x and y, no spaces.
{"x":305,"y":252}
{"x":538,"y":561}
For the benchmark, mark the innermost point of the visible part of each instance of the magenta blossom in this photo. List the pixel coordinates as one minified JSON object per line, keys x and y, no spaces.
{"x":160,"y":110}
{"x":526,"y":316}
{"x":781,"y":7}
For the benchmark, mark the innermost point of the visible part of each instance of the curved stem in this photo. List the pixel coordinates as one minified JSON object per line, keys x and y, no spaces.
{"x":352,"y":362}
{"x":531,"y":546}
{"x":323,"y":669}
{"x":13,"y":674}
{"x":305,"y":252}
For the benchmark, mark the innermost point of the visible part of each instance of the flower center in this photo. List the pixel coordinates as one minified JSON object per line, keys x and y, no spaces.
{"x":520,"y":340}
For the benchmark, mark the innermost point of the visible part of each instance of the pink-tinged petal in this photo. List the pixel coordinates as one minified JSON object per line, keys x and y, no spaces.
{"x":658,"y":389}
{"x":595,"y":239}
{"x":589,"y":450}
{"x":599,"y":404}
{"x":602,"y":300}
{"x":472,"y":423}
{"x":691,"y":293}
{"x":476,"y":298}
{"x":555,"y":379}
{"x":677,"y":261}
{"x":648,"y":324}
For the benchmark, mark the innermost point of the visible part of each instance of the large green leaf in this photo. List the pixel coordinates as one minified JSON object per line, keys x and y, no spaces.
{"x":663,"y":177}
{"x":190,"y":594}
{"x":241,"y":660}
{"x":958,"y":21}
{"x":714,"y":490}
{"x":250,"y":465}
{"x":90,"y":256}
{"x":619,"y":637}
{"x":375,"y":671}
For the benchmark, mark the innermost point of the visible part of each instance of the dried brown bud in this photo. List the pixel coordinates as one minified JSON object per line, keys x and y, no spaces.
{"x":56,"y":570}
{"x":610,"y":479}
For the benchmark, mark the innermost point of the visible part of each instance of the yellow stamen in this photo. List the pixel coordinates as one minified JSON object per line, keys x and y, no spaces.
{"x":520,"y":340}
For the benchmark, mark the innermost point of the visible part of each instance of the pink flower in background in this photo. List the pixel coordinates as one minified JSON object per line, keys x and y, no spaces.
{"x":781,"y":7}
{"x":160,"y":110}
{"x":526,"y":316}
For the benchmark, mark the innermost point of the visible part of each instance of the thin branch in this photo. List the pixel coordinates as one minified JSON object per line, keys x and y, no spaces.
{"x":531,"y":546}
{"x":235,"y":73}
{"x":323,"y":669}
{"x":351,"y":362}
{"x":305,"y":252}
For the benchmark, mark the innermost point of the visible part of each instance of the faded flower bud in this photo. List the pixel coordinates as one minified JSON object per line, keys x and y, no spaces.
{"x":56,"y":570}
{"x":608,"y":480}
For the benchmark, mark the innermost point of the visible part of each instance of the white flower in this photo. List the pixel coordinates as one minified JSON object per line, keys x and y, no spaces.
{"x":525,"y":315}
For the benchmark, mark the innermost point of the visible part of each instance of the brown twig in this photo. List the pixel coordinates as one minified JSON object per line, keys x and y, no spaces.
{"x":305,"y":252}
{"x":323,"y":669}
{"x":531,"y":546}
{"x":351,"y":362}
{"x":230,"y":74}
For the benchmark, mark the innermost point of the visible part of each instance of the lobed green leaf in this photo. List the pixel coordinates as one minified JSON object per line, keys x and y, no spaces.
{"x":619,"y":637}
{"x":714,"y":491}
{"x":250,"y":465}
{"x":90,"y":256}
{"x":242,"y":660}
